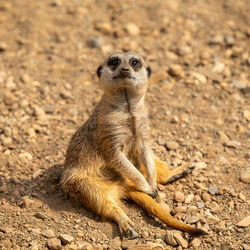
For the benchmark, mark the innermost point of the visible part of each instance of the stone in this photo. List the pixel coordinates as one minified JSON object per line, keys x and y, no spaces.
{"x":229,"y":40}
{"x":206,"y":197}
{"x":115,"y":243}
{"x":66,"y":238}
{"x":3,"y":46}
{"x":239,"y":85}
{"x":189,"y":198}
{"x":161,"y":197}
{"x":180,"y":209}
{"x":65,"y":94}
{"x":212,"y":189}
{"x":3,"y":187}
{"x":245,"y":176}
{"x":9,"y":98}
{"x":26,"y":202}
{"x":184,"y":50}
{"x":25,"y":156}
{"x":200,"y":204}
{"x":48,"y":233}
{"x":192,"y":209}
{"x":7,"y":131}
{"x":104,"y":27}
{"x":195,"y":243}
{"x":6,"y":229}
{"x":242,"y":196}
{"x":215,"y":208}
{"x":232,"y":144}
{"x":5,"y":140}
{"x":200,"y":165}
{"x":219,"y":39}
{"x":172,"y":145}
{"x":175,"y":70}
{"x":179,"y":197}
{"x":245,"y":222}
{"x":222,"y":136}
{"x":85,"y":246}
{"x":39,"y":113}
{"x":54,"y":244}
{"x":95,"y":42}
{"x":211,"y":219}
{"x":246,"y":114}
{"x":25,"y":78}
{"x":193,"y":219}
{"x":169,"y":238}
{"x":2,"y":77}
{"x":227,"y":246}
{"x":132,"y":29}
{"x":218,"y":67}
{"x":201,"y":78}
{"x":180,"y":240}
{"x":41,"y":216}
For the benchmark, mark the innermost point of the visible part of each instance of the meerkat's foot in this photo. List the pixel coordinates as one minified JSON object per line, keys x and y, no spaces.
{"x":165,"y":175}
{"x":126,"y":228}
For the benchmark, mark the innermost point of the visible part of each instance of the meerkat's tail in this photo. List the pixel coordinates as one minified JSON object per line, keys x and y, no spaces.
{"x":152,"y":207}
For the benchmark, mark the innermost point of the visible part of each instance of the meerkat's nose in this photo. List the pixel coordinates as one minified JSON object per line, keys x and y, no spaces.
{"x":124,"y":69}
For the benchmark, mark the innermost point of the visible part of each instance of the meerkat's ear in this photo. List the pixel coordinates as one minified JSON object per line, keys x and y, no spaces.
{"x":149,"y":71}
{"x":99,"y":71}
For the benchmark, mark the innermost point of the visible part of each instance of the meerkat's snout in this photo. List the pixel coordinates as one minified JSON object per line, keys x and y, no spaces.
{"x":123,"y":73}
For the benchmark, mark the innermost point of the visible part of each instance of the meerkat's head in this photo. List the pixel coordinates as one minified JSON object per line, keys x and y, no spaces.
{"x":124,"y":70}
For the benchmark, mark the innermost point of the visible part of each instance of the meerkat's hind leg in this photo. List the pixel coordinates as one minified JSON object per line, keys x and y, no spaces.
{"x":165,"y":175}
{"x":102,"y":197}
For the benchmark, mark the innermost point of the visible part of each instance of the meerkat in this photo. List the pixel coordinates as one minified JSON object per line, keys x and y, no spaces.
{"x":109,"y":158}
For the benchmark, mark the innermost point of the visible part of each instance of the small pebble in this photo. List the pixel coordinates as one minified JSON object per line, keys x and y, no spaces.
{"x":180,"y":240}
{"x":132,"y":29}
{"x":212,"y":189}
{"x":41,"y":216}
{"x":195,"y":243}
{"x":54,"y":244}
{"x":206,"y":197}
{"x":115,"y":243}
{"x":245,"y":176}
{"x":170,"y":238}
{"x":179,"y":197}
{"x":244,"y":223}
{"x":232,"y":144}
{"x":48,"y":233}
{"x":65,"y":238}
{"x":189,"y":198}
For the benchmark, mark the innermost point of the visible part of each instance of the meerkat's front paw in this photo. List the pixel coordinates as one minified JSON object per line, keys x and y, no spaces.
{"x":154,"y":193}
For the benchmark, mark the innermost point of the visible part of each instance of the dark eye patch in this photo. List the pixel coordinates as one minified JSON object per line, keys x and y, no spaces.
{"x":114,"y":62}
{"x":135,"y":63}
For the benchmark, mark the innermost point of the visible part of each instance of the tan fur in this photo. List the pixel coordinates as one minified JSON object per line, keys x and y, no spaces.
{"x":109,"y":157}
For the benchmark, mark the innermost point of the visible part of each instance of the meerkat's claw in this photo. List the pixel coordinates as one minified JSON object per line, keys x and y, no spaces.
{"x":131,"y":234}
{"x":154,"y":194}
{"x":127,"y":229}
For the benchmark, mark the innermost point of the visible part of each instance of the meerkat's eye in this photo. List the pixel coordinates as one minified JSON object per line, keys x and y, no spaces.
{"x":114,"y":62}
{"x":135,"y":63}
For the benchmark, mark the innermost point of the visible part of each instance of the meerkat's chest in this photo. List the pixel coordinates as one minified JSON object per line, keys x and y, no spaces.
{"x":133,"y":131}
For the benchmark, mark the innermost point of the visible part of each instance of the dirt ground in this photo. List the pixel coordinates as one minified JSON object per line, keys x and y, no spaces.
{"x":199,"y":105}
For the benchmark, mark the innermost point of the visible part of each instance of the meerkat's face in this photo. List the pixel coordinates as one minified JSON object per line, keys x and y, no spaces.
{"x":124,"y":70}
